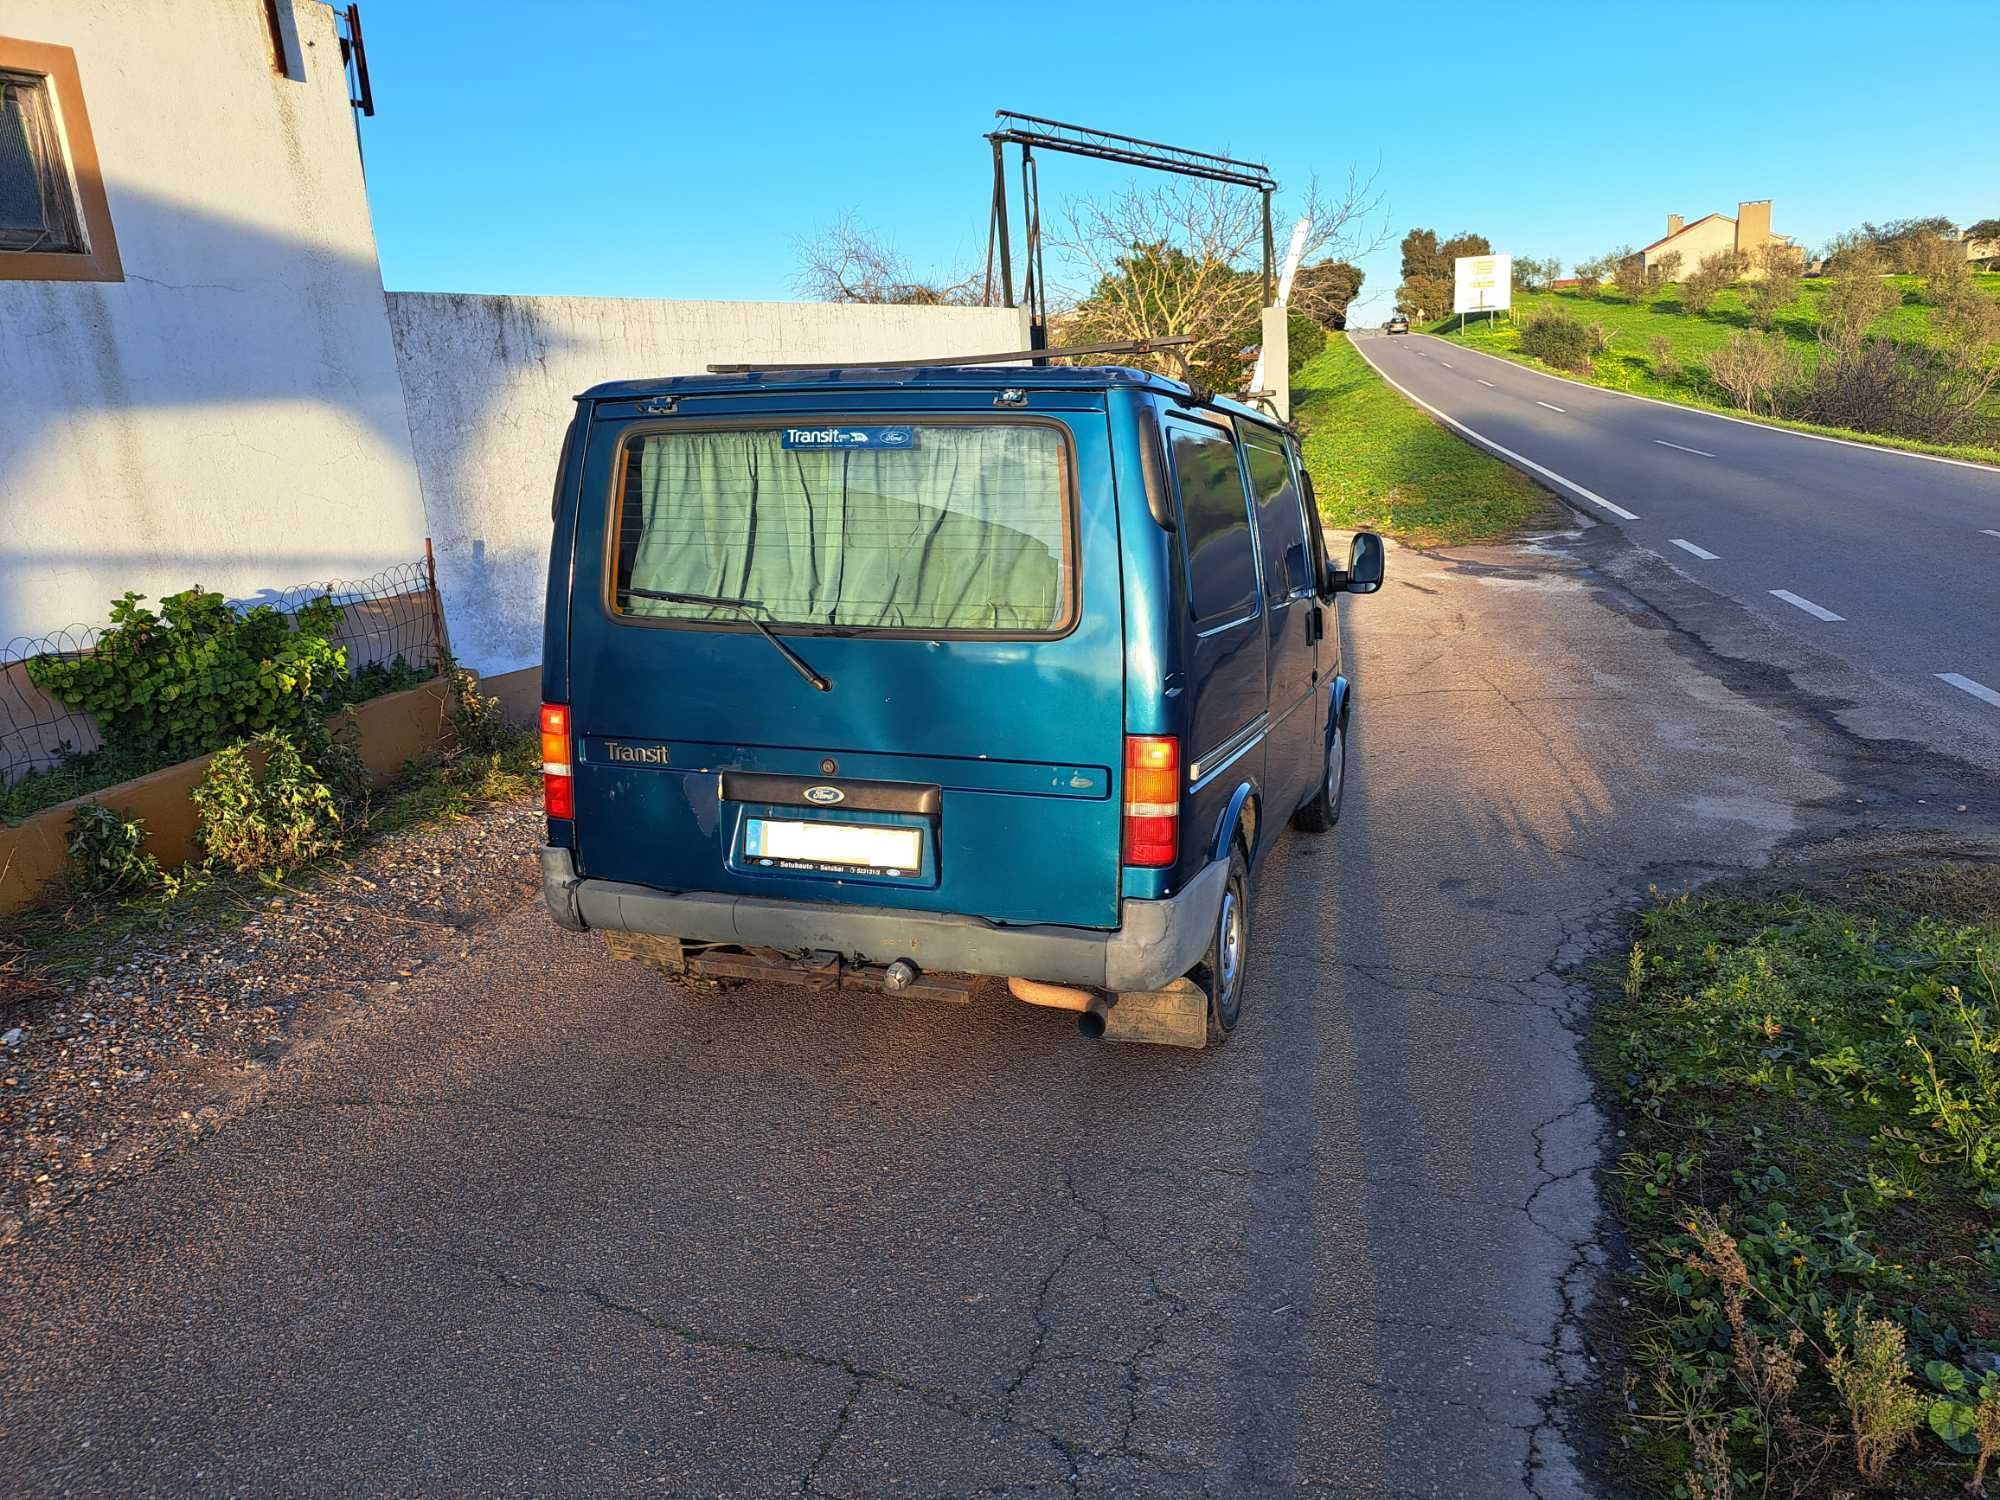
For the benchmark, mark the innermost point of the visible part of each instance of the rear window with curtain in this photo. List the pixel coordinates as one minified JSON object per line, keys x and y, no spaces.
{"x":962,"y":527}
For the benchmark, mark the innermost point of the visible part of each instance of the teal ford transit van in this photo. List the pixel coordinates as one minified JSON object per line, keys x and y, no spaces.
{"x":890,"y":676}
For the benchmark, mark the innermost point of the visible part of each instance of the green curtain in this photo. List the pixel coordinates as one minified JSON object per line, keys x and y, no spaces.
{"x":962,"y":531}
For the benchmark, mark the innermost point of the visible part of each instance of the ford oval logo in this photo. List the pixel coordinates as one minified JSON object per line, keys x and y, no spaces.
{"x":825,"y":796}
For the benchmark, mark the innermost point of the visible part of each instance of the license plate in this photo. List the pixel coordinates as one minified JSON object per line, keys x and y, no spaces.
{"x":833,"y":847}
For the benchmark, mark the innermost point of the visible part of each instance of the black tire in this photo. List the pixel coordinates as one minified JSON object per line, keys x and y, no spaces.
{"x":1322,"y":811}
{"x":1224,"y":967}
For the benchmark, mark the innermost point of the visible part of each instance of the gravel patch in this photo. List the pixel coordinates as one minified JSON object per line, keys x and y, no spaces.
{"x":179,"y":1027}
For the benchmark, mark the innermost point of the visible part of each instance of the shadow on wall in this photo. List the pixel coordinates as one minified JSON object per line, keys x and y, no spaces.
{"x":231,"y":414}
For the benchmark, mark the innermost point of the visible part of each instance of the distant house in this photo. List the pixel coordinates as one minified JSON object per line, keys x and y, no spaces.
{"x":1714,"y":234}
{"x":1982,"y":251}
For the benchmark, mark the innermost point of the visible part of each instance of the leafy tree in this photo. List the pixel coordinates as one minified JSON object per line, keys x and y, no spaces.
{"x":1428,"y":272}
{"x":1985,"y":229}
{"x":1323,"y":291}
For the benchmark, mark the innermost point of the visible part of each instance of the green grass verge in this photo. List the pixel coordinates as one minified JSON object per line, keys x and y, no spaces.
{"x":1379,"y":462}
{"x":64,"y":940}
{"x":1808,"y":1087}
{"x":1631,"y":365}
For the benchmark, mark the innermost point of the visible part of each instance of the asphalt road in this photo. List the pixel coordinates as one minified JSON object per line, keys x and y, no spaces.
{"x":1904,"y":550}
{"x":537,"y":1222}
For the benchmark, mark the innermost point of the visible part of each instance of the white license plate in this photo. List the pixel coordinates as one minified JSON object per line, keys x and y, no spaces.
{"x":847,"y":846}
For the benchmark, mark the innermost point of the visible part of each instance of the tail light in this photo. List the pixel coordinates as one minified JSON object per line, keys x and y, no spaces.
{"x":1152,"y":835}
{"x":558,"y":786}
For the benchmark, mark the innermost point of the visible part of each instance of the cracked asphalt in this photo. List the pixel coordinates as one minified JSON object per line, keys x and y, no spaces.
{"x":538,"y":1222}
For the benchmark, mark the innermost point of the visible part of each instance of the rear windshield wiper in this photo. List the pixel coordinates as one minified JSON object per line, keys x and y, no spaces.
{"x":747,"y":608}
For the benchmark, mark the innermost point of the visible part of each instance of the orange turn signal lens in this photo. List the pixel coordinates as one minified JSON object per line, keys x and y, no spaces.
{"x":558,"y":786}
{"x":1152,"y":819}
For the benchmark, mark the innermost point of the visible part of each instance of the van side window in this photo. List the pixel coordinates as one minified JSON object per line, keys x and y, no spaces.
{"x":1215,"y":522}
{"x":1280,"y":525}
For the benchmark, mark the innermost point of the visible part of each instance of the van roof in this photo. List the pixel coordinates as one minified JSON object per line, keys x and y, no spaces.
{"x":935,"y":377}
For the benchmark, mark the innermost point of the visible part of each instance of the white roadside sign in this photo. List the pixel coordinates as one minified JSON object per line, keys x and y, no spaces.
{"x":1482,"y":283}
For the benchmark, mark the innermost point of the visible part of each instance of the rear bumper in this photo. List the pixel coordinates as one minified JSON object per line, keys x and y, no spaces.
{"x":1155,"y":943}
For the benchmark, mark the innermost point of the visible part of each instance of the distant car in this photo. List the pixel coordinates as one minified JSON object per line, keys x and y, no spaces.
{"x":1397,"y":324}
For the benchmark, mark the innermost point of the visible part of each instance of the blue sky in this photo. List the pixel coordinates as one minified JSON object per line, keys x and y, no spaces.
{"x":621,"y":149}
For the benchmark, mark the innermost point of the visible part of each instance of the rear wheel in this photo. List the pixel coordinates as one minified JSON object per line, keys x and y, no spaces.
{"x":1323,"y":810}
{"x":1221,"y":972}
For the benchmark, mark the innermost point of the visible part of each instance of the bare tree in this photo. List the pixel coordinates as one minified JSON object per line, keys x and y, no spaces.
{"x":1184,"y":258}
{"x":849,"y":262}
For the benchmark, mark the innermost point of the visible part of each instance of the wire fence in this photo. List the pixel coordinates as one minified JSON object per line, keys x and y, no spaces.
{"x":393,"y":616}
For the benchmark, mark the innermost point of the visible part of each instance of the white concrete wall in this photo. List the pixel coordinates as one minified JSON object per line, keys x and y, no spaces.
{"x":230,"y":414}
{"x":489,"y":382}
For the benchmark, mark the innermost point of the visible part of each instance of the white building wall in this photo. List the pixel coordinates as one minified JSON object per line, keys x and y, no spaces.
{"x":230,"y":413}
{"x":489,"y":383}
{"x":1709,"y":237}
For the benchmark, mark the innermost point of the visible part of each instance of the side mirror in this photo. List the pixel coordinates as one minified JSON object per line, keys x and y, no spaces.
{"x":1365,"y":566}
{"x":1366,"y":562}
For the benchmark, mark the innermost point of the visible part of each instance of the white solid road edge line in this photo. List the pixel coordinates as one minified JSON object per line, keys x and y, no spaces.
{"x":1550,"y":406}
{"x":1818,"y":612}
{"x":1699,"y":453}
{"x":1686,"y":546}
{"x":1967,"y":685}
{"x":1723,"y":416}
{"x":1486,"y":442}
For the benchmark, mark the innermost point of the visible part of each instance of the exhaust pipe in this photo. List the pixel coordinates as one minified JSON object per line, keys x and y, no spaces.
{"x":1090,"y":1020}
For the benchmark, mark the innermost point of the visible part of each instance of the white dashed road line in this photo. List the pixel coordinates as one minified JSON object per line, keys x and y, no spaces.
{"x":1701,"y":552}
{"x":1507,"y":453}
{"x":1547,"y":404}
{"x":1989,"y":533}
{"x":1489,"y":386}
{"x":1967,"y":685}
{"x":1448,"y":364}
{"x":1816,"y":611}
{"x":1696,"y":451}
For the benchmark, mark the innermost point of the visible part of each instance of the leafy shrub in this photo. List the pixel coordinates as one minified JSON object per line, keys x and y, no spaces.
{"x":1304,"y":338}
{"x":1784,"y":267}
{"x":374,"y":680}
{"x":1715,"y":272}
{"x":175,"y":685}
{"x":477,"y":724}
{"x":273,"y":818}
{"x":73,"y":775}
{"x":1666,"y":364}
{"x":1630,"y":278}
{"x":1568,"y":343}
{"x":107,"y":854}
{"x":1874,"y":1378}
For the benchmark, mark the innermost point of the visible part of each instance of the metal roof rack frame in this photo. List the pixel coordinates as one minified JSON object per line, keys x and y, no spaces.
{"x":1171,"y":345}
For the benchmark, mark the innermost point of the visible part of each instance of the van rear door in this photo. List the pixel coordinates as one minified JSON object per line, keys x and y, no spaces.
{"x":949,"y":571}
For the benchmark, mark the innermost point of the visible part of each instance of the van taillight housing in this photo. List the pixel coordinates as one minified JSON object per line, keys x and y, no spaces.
{"x":558,"y":785}
{"x":1152,"y":833}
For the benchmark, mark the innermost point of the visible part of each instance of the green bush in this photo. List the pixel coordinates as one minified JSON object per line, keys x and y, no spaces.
{"x":272,"y":818}
{"x":175,"y":685}
{"x":107,"y":854}
{"x":1304,"y":337}
{"x":1556,"y":338}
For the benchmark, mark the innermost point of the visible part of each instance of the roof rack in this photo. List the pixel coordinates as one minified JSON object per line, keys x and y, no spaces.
{"x":1172,"y":345}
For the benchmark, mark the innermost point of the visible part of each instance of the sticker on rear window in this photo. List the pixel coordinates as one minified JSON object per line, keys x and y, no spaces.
{"x":850,"y":437}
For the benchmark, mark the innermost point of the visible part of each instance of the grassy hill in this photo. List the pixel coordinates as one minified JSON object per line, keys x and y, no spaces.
{"x":1630,"y":364}
{"x":1379,"y":462}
